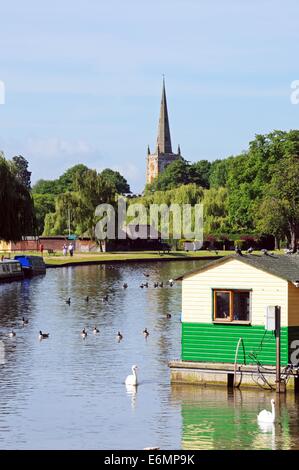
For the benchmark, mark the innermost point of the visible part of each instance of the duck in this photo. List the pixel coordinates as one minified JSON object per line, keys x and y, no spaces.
{"x":119,"y":336}
{"x":145,"y":333}
{"x":105,"y":298}
{"x":87,"y":299}
{"x":146,"y":274}
{"x":168,"y":315}
{"x":132,"y":379}
{"x":161,"y":284}
{"x":145,"y":284}
{"x":12,"y":333}
{"x":156,"y":284}
{"x":95,"y":330}
{"x":83,"y":333}
{"x":266,"y":416}
{"x":43,"y":335}
{"x":68,"y":301}
{"x":24,"y":321}
{"x":171,"y":282}
{"x":125,"y":285}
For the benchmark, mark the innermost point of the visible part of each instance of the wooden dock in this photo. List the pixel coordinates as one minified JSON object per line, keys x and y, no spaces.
{"x":225,"y":374}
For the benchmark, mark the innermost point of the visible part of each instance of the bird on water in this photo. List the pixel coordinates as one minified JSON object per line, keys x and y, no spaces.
{"x":43,"y":335}
{"x":266,"y":416}
{"x":119,"y":336}
{"x":83,"y":333}
{"x":132,"y":379}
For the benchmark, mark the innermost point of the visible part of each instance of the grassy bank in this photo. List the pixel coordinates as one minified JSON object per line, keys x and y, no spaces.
{"x":58,"y":259}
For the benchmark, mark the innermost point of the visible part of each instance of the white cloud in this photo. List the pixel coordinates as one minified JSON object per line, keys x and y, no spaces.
{"x":56,"y":148}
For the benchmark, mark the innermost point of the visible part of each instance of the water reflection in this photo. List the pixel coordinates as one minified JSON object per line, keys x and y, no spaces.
{"x":214,"y":418}
{"x":132,"y":393}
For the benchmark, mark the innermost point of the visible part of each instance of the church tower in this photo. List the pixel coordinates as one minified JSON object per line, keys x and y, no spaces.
{"x":163,"y":155}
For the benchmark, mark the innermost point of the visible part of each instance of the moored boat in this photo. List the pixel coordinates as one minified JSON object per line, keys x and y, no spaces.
{"x":10,"y":270}
{"x":31,"y":265}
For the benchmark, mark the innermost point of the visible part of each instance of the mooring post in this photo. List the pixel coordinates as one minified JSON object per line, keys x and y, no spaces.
{"x":279,"y":387}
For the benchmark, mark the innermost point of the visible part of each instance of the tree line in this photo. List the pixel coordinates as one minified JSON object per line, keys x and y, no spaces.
{"x":256,"y":192}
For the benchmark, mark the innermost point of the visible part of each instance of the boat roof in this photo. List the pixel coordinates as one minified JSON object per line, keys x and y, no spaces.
{"x":283,"y":266}
{"x":7,"y":260}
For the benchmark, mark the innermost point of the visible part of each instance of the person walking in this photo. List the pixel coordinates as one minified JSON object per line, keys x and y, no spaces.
{"x":71,"y":249}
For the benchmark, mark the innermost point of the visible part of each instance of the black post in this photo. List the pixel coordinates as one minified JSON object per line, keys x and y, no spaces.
{"x":277,"y":335}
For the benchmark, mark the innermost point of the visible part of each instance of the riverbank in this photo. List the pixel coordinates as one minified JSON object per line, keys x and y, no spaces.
{"x":58,"y":260}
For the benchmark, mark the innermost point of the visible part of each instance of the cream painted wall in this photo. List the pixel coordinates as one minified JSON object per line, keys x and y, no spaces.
{"x":233,"y":274}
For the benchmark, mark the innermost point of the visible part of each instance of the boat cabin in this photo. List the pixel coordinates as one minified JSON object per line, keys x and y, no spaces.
{"x":10,"y":270}
{"x":234,"y":297}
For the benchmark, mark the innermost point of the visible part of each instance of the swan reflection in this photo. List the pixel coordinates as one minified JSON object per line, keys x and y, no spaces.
{"x":266,"y":438}
{"x":132,"y":392}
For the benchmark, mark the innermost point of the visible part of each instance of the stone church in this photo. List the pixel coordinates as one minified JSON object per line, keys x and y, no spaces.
{"x":163,"y":155}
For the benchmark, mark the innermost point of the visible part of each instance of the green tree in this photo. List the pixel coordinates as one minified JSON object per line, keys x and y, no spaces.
{"x":114,"y":178}
{"x":71,"y":178}
{"x":250,"y":173}
{"x":46,"y":187}
{"x":20,"y":168}
{"x":16,"y":205}
{"x":279,"y":210}
{"x":219,"y":172}
{"x":215,"y":211}
{"x":79,"y":206}
{"x":199,"y":173}
{"x":43,"y":204}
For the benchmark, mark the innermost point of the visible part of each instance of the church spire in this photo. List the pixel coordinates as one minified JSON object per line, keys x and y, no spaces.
{"x":163,"y":139}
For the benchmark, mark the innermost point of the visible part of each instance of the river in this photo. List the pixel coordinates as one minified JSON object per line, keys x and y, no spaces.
{"x":66,"y":392}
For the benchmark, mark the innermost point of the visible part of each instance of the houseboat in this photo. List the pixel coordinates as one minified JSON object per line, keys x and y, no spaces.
{"x":31,"y":265}
{"x":229,"y":332}
{"x":10,"y":270}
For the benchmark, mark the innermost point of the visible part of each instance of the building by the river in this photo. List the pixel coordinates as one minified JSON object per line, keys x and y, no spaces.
{"x":229,"y":331}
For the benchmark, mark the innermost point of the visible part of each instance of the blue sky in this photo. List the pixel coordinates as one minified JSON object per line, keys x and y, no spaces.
{"x":83,"y":79}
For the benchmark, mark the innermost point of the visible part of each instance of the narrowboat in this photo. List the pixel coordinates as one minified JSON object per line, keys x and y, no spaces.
{"x":31,"y":265}
{"x":10,"y":270}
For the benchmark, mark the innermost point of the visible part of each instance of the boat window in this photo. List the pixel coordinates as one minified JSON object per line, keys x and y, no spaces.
{"x":231,"y":305}
{"x":222,"y":305}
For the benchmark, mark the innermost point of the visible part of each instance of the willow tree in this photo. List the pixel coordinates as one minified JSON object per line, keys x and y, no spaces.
{"x":75,"y":210}
{"x":16,"y":205}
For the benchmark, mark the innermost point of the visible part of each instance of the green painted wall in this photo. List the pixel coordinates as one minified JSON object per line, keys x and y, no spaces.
{"x":208,"y":342}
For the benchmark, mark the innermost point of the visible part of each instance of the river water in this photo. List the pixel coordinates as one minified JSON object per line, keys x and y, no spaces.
{"x":67,"y":392}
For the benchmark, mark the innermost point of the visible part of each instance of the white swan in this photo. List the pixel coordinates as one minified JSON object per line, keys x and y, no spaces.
{"x":267,"y":416}
{"x":132,"y":379}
